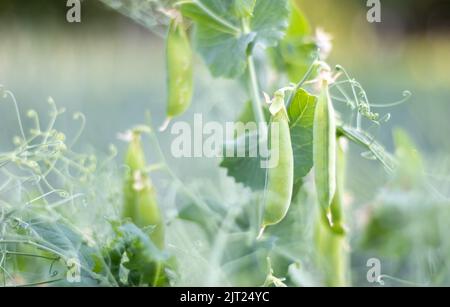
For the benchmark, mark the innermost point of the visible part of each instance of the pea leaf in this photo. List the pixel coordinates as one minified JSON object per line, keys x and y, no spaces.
{"x":220,"y":36}
{"x":213,"y":15}
{"x":269,"y":22}
{"x":60,"y":238}
{"x":298,"y":24}
{"x":295,"y":52}
{"x":244,"y":8}
{"x":248,"y":171}
{"x":147,"y":13}
{"x":224,"y":54}
{"x":301,"y":115}
{"x":133,"y":249}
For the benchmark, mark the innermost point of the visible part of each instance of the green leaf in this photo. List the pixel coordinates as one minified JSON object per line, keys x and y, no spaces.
{"x":298,"y":24}
{"x":301,"y":116}
{"x":225,"y":30}
{"x":132,"y":249}
{"x":296,"y":51}
{"x":224,"y":54}
{"x":60,"y":238}
{"x":248,"y":171}
{"x":298,"y":56}
{"x":244,"y":8}
{"x":211,"y":14}
{"x":269,"y":22}
{"x":147,"y":13}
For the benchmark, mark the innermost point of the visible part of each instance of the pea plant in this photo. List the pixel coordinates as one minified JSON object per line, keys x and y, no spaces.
{"x":81,"y":221}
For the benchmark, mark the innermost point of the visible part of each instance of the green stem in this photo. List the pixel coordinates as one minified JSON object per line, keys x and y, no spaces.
{"x":257,"y":106}
{"x":254,"y":85}
{"x":302,"y":81}
{"x":256,"y":100}
{"x":157,"y":274}
{"x":331,"y":242}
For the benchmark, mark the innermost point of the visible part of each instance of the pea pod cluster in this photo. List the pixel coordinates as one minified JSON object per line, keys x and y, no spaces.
{"x":179,"y":62}
{"x":280,"y":178}
{"x":140,"y":201}
{"x":324,"y":148}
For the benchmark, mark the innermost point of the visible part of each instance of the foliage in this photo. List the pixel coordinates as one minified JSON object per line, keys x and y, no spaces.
{"x":59,"y":206}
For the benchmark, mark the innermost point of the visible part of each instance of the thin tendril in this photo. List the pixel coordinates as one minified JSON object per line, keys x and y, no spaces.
{"x":16,"y":107}
{"x":406,"y":94}
{"x":78,"y":116}
{"x":53,"y":116}
{"x":358,"y":116}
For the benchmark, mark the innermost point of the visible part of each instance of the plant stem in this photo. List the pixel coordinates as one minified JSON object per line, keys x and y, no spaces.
{"x":254,"y":85}
{"x":256,"y":100}
{"x":157,"y":274}
{"x":331,"y":242}
{"x":302,"y":81}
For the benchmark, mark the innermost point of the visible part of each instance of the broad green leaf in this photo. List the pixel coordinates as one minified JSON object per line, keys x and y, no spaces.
{"x":244,"y":8}
{"x":223,"y":35}
{"x":224,"y":54}
{"x":298,"y":56}
{"x":148,"y":13}
{"x":269,"y":22}
{"x":213,"y":15}
{"x":301,"y":115}
{"x":62,"y":240}
{"x":248,"y":170}
{"x":296,"y":51}
{"x":132,"y":249}
{"x":298,"y":24}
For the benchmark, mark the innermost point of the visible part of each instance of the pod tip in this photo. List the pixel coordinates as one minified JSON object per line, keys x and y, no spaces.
{"x":261,"y":232}
{"x":330,"y":218}
{"x":165,"y":124}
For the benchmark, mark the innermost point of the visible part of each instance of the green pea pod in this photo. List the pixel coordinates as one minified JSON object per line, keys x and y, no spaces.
{"x":331,"y":255}
{"x":148,"y":213}
{"x":140,"y":197}
{"x":135,"y":161}
{"x":330,"y":240}
{"x":336,"y":208}
{"x":281,"y":176}
{"x":179,"y":63}
{"x":324,"y":149}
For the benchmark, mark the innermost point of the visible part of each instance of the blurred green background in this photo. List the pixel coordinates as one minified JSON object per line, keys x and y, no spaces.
{"x":111,"y":69}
